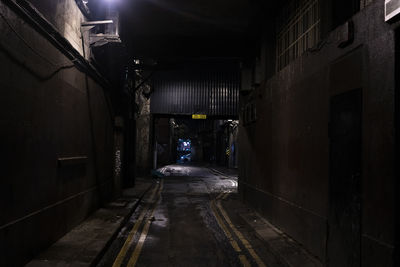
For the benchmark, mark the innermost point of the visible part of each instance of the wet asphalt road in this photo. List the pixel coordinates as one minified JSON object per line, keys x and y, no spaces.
{"x":181,"y":222}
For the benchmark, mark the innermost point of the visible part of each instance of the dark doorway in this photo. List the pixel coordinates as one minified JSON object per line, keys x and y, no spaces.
{"x":344,"y":219}
{"x":184,"y":150}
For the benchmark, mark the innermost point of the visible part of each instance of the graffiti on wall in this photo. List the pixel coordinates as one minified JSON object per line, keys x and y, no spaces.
{"x":118,"y":163}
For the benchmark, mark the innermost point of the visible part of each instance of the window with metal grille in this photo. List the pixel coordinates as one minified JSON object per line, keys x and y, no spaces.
{"x":298,"y":29}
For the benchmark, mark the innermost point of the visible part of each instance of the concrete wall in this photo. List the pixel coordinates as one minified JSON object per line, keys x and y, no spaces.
{"x":66,"y":16}
{"x":143,"y":134}
{"x":284,"y":155}
{"x":48,"y":110}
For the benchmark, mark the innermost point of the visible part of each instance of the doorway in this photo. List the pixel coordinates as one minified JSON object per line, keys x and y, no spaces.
{"x":344,"y":218}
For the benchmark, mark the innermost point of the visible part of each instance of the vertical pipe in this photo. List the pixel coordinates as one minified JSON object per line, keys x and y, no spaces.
{"x":155,"y":156}
{"x":397,"y":148}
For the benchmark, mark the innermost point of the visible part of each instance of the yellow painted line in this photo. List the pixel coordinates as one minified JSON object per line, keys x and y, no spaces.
{"x":125,"y":247}
{"x":244,"y":261}
{"x":241,"y":237}
{"x":224,"y":228}
{"x":220,"y":195}
{"x":136,"y":253}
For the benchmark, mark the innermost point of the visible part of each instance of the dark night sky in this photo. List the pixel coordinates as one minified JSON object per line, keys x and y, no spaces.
{"x":196,"y":28}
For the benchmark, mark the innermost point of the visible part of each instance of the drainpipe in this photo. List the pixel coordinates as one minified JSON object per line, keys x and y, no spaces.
{"x":155,"y":155}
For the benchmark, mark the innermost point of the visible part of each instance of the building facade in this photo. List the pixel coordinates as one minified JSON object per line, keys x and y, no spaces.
{"x":319,"y":158}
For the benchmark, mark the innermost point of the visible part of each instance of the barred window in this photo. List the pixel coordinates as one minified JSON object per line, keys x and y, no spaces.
{"x":298,"y":29}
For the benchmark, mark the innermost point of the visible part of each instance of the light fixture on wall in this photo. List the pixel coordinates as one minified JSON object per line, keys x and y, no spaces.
{"x":91,"y":24}
{"x":100,"y":38}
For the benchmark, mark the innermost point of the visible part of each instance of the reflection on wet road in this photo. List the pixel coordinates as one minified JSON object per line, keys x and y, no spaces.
{"x":181,"y":222}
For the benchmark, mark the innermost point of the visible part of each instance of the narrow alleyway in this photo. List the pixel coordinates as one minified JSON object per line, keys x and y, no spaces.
{"x":183,"y":221}
{"x":281,"y":120}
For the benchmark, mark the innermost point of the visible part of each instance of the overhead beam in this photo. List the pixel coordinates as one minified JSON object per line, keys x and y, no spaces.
{"x":96,"y":22}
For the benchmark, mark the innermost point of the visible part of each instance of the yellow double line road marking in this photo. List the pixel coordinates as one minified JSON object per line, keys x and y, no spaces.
{"x":244,"y":261}
{"x":139,"y":246}
{"x":220,"y":195}
{"x":122,"y":253}
{"x":243,"y":240}
{"x":224,"y":228}
{"x":223,"y":195}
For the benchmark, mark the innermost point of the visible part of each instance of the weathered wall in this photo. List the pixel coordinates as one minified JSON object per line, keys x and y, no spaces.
{"x":143,"y":134}
{"x":49,"y":110}
{"x":66,"y":16}
{"x":284,"y":155}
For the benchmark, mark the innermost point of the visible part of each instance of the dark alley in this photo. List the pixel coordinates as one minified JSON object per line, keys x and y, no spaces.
{"x":200,"y":133}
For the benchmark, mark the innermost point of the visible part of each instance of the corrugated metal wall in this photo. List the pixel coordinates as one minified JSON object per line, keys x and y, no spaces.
{"x":186,"y":92}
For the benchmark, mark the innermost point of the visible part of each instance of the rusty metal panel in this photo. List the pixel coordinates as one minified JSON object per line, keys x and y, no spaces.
{"x":186,"y":92}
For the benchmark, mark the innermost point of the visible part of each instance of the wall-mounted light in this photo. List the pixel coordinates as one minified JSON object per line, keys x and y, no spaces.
{"x":99,"y":39}
{"x":95,"y":23}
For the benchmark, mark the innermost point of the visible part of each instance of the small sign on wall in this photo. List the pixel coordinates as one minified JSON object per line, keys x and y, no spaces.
{"x":392,"y":9}
{"x":199,"y":116}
